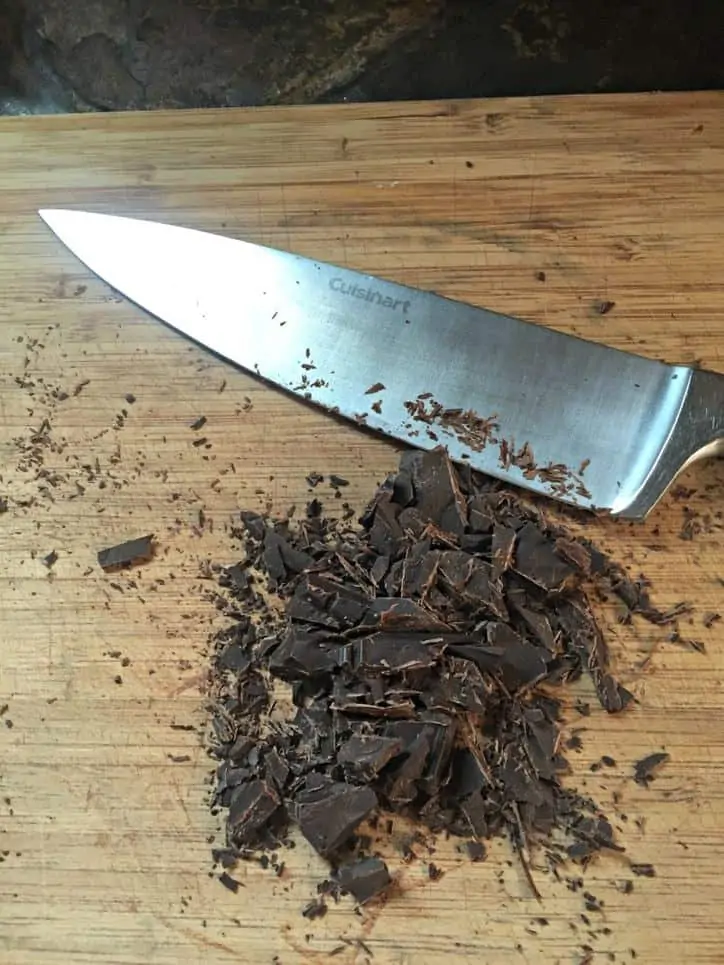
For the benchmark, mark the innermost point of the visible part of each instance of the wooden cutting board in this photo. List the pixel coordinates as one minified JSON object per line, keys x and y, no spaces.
{"x":544,"y":208}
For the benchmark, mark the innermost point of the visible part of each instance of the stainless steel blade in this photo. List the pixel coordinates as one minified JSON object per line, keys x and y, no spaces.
{"x":590,"y":425}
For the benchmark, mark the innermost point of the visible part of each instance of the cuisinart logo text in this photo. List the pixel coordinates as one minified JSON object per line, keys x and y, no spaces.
{"x":369,"y":295}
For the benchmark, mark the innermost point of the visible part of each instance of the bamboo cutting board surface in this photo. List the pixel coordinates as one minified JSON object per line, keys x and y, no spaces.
{"x":537,"y":207}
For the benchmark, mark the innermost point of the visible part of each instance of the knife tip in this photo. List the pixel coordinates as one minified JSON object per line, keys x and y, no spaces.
{"x":48,"y":215}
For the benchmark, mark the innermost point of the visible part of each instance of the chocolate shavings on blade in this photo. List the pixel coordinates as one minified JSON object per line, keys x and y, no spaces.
{"x":425,"y":649}
{"x":131,"y":552}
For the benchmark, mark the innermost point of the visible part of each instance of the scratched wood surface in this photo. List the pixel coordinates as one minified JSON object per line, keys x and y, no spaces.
{"x":540,"y":208}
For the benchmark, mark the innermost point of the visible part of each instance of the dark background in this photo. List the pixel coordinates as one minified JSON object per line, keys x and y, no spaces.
{"x":68,"y":55}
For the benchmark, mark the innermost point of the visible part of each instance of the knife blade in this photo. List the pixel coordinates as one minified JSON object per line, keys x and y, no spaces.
{"x":583,"y":423}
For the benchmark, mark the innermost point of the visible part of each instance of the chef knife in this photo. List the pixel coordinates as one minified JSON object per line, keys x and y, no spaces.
{"x":583,"y":423}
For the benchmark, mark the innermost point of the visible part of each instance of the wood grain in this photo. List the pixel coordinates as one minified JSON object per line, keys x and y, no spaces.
{"x":105,"y":838}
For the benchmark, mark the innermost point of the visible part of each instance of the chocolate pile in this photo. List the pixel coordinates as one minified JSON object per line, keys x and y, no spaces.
{"x":425,"y":649}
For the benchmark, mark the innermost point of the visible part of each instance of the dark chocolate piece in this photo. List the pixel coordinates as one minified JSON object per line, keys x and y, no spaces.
{"x":363,"y":756}
{"x":199,"y":423}
{"x":328,"y":813}
{"x":363,"y":879}
{"x":644,"y":769}
{"x":537,"y":560}
{"x":251,"y":806}
{"x":126,"y":554}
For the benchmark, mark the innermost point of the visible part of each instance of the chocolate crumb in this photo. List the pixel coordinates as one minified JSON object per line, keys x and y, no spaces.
{"x":645,"y":768}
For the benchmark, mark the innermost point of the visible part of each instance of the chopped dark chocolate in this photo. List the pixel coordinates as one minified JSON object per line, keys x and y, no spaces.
{"x":645,"y":768}
{"x":424,"y":649}
{"x":51,"y":559}
{"x":199,"y":423}
{"x":126,"y":554}
{"x":364,"y":878}
{"x":643,"y":870}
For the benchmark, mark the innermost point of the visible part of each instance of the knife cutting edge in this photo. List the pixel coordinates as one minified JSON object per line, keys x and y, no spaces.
{"x":592,"y":426}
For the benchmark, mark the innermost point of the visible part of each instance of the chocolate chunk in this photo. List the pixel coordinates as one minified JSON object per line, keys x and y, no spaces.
{"x":476,"y":850}
{"x":437,"y":489}
{"x":126,"y":554}
{"x":363,"y":756}
{"x":51,"y":559}
{"x":250,"y":808}
{"x":198,"y":423}
{"x":645,"y":768}
{"x":235,"y":658}
{"x":470,"y":581}
{"x":304,"y":653}
{"x":276,"y":769}
{"x":363,"y":879}
{"x":328,"y":813}
{"x":643,"y":870}
{"x":537,"y":560}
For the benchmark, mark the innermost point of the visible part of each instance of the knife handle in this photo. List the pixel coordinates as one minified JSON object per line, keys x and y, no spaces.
{"x":698,"y":433}
{"x":703,"y":415}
